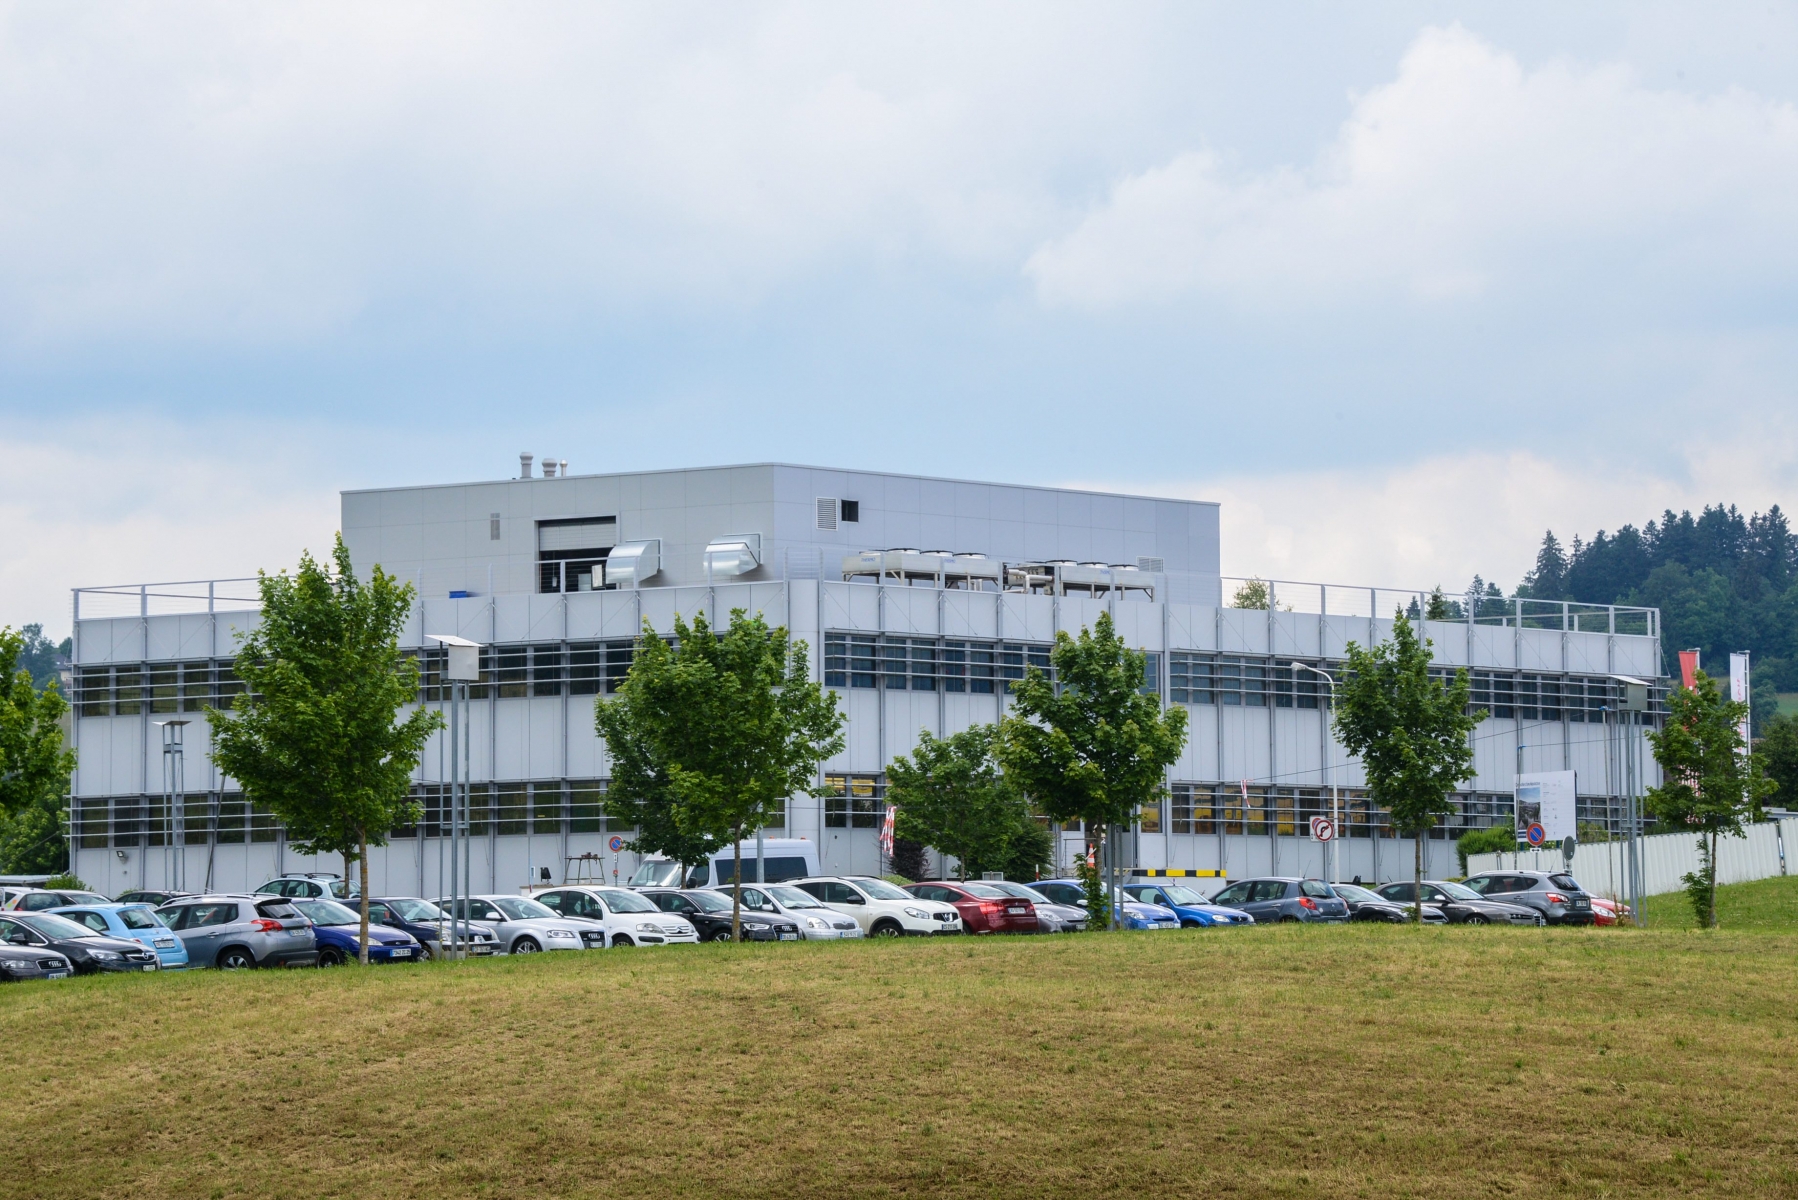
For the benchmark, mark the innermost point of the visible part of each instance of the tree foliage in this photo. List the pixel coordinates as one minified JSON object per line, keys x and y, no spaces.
{"x":732,"y":723}
{"x":318,"y":737}
{"x":1409,"y":730}
{"x":952,"y":794}
{"x":34,"y":764}
{"x":1710,"y":784}
{"x":1778,"y":749}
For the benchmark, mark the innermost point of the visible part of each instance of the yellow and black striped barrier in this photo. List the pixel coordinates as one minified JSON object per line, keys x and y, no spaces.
{"x":1169,"y":873}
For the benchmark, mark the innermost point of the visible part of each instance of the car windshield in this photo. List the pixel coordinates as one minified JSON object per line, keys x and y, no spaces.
{"x":53,"y":926}
{"x":984,"y":891}
{"x":713,"y":902}
{"x":86,"y":898}
{"x":880,"y":889}
{"x":327,"y":912}
{"x":792,"y":897}
{"x":520,"y":909}
{"x":417,"y":910}
{"x":622,"y":901}
{"x":139,"y":918}
{"x":1182,"y":895}
{"x":1459,"y":892}
{"x":657,"y":873}
{"x":1359,"y":895}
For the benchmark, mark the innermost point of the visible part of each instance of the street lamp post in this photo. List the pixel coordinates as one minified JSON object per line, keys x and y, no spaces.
{"x":462,"y":666}
{"x":1335,"y":801}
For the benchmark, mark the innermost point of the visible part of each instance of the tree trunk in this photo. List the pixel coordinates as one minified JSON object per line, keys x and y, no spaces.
{"x":362,"y":867}
{"x":1417,"y":879}
{"x":1711,"y":914}
{"x":736,"y":891}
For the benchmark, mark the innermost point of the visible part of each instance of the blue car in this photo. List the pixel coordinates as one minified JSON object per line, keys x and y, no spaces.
{"x":1135,"y":915}
{"x":1193,"y":909}
{"x":134,"y":922}
{"x":337,"y":928}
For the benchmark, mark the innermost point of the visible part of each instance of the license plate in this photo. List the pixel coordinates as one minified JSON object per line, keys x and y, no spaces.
{"x":1017,"y":912}
{"x":149,"y":967}
{"x":57,"y":975}
{"x":402,"y":954}
{"x":789,"y":937}
{"x":165,"y":943}
{"x":483,"y":950}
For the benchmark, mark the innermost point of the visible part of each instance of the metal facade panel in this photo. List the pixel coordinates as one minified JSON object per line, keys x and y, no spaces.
{"x":1139,"y":625}
{"x":1191,"y":627}
{"x":1494,"y":646}
{"x":911,"y":610}
{"x":1244,"y":630}
{"x":1340,"y":631}
{"x":1027,"y":618}
{"x":1448,"y":641}
{"x":1295,"y":636}
{"x":1244,"y":743}
{"x":586,"y":750}
{"x":969,"y":614}
{"x":1637,"y":656}
{"x":1587,"y":653}
{"x":546,"y":618}
{"x":1541,"y":650}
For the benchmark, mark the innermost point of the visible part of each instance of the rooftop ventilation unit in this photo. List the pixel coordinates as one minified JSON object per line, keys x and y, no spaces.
{"x":937,"y":568}
{"x":630,"y":563}
{"x":733,"y":554}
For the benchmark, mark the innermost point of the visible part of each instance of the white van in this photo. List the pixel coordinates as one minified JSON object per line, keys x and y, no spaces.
{"x":782,"y":858}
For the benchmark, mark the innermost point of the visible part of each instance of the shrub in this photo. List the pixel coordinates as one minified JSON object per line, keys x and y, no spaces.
{"x":1499,"y":839}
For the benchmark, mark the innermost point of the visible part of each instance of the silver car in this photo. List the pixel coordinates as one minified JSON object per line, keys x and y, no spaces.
{"x":1555,"y":894}
{"x":234,"y":931}
{"x":524,"y":926}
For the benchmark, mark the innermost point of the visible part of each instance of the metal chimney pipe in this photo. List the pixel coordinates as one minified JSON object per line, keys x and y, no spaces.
{"x":549,"y":468}
{"x":564,"y":468}
{"x":524,"y":465}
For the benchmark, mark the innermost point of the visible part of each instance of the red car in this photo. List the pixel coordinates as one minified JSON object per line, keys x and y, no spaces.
{"x":1608,"y":912}
{"x":983,"y":907}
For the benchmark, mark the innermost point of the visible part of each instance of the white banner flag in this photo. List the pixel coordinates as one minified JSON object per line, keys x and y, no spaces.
{"x":1739,"y":690}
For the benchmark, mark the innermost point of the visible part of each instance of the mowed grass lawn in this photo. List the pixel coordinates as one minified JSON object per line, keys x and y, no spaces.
{"x":1361,"y":1061}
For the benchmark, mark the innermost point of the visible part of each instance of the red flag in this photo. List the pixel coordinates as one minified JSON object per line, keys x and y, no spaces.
{"x":886,"y":832}
{"x":1688,"y":667}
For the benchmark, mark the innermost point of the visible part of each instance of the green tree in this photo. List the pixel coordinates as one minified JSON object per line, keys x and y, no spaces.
{"x":1441,"y":607}
{"x":639,"y":790}
{"x":34,"y":765}
{"x":1779,"y":752}
{"x":1252,"y":594}
{"x":41,"y":656}
{"x":1495,"y":839}
{"x":1092,"y":745}
{"x":951,"y":794}
{"x":318,"y":737}
{"x":733,"y":723}
{"x":1410,"y":732}
{"x":1028,"y":852}
{"x":1710,"y":783}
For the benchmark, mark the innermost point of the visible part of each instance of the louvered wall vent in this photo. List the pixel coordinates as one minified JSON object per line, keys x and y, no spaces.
{"x":827,"y":512}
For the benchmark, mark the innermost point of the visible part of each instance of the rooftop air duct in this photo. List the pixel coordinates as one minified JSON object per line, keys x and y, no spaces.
{"x":630,"y":563}
{"x":733,"y":554}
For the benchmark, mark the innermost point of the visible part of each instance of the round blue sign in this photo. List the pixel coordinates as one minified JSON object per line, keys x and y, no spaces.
{"x":616,"y":844}
{"x":1536,"y":835}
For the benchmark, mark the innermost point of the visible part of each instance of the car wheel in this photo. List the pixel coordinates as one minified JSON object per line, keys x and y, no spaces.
{"x":235,"y":958}
{"x":330,"y":958}
{"x":1190,"y":925}
{"x":525,"y":945}
{"x":1475,"y":919}
{"x":620,"y":941}
{"x":723,"y":935}
{"x":888,"y":929}
{"x":1289,"y":920}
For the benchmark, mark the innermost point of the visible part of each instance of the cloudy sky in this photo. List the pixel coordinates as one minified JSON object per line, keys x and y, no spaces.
{"x":1400,"y":284}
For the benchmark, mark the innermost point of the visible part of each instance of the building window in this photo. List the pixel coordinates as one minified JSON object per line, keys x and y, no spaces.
{"x":851,"y":511}
{"x":853,"y":801}
{"x":493,"y":527}
{"x":865,"y":660}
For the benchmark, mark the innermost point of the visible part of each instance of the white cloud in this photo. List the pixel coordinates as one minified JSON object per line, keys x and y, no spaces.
{"x":1465,"y":176}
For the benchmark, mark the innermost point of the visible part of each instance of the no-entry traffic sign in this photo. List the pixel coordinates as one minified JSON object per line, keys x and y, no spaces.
{"x":1322,"y":829}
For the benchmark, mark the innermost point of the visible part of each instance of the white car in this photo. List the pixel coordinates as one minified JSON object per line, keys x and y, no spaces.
{"x":817,"y":922}
{"x":881,"y":909}
{"x":627,"y":918}
{"x":524,"y":927}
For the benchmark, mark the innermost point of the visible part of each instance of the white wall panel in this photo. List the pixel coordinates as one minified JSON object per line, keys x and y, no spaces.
{"x":1541,"y":649}
{"x":1244,"y":631}
{"x":969,"y":614}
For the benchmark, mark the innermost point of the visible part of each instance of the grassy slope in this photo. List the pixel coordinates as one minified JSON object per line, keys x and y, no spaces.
{"x":1289,"y":1061}
{"x":1764,"y":905}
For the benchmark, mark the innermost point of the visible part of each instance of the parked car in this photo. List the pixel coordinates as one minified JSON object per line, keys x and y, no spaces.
{"x":1133,"y":913}
{"x":27,"y":960}
{"x":524,"y":926}
{"x":238,"y":931}
{"x":1462,"y":906}
{"x":338,"y":928}
{"x":1051,"y":916}
{"x":427,"y":923}
{"x":816,"y":921}
{"x":1193,"y":909}
{"x":88,"y":952}
{"x":43,"y":900}
{"x":1274,"y":898}
{"x":708,"y":912}
{"x":763,"y":918}
{"x":1364,"y":905}
{"x":310,"y":885}
{"x":882,"y":909}
{"x":983,"y":907}
{"x":628,"y":918}
{"x":153,"y":898}
{"x":137,"y":922}
{"x":1554,"y":894}
{"x":1606,"y":911}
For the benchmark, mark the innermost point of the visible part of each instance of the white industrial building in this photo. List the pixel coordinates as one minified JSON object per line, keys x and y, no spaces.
{"x":920,"y":599}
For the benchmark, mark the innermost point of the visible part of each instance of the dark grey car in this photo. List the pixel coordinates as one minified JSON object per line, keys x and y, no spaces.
{"x":31,"y":962}
{"x":88,"y":952}
{"x":1460,"y":905}
{"x":238,"y":931}
{"x":1554,"y":894}
{"x":1284,"y":898}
